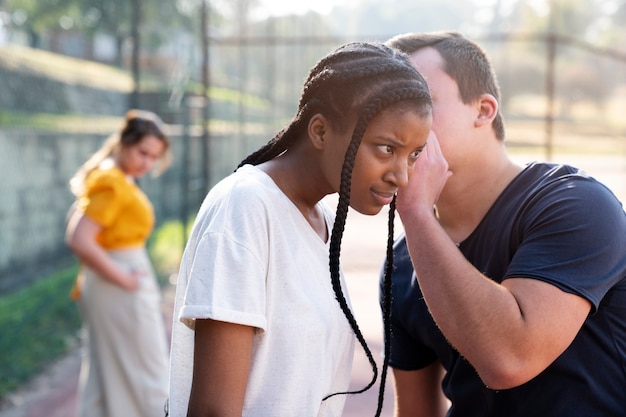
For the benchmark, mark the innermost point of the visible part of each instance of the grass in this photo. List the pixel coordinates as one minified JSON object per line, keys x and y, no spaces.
{"x":40,"y":323}
{"x":75,"y":71}
{"x":64,"y":69}
{"x":97,"y":124}
{"x":166,"y":247}
{"x":60,"y":122}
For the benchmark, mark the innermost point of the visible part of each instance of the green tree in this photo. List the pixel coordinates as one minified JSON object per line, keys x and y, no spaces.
{"x":34,"y":17}
{"x":123,"y":20}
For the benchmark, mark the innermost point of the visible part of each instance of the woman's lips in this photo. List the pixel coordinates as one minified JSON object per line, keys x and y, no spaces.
{"x":383,"y":198}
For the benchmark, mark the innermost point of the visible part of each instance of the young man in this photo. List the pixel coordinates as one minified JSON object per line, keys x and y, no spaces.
{"x":514,"y":303}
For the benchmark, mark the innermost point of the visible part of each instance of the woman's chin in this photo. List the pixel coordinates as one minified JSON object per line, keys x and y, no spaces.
{"x":369,"y":210}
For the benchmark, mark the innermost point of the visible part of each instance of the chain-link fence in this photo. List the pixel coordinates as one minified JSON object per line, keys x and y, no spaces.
{"x":560,"y":98}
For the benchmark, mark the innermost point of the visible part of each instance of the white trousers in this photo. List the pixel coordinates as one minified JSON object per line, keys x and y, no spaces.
{"x":124,"y":370}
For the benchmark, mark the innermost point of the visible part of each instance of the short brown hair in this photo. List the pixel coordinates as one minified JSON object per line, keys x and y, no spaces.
{"x":465,"y":62}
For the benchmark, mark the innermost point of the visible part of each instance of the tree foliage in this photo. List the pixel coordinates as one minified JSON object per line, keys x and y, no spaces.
{"x":114,"y":18}
{"x":174,"y":25}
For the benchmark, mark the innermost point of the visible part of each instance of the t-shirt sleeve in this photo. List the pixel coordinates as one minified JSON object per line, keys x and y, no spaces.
{"x":226,"y":282}
{"x":225,"y":264}
{"x":573,"y":239}
{"x":407,"y":353}
{"x":104,"y":198}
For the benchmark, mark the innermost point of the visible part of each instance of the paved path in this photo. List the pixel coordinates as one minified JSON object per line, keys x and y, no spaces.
{"x":53,"y":394}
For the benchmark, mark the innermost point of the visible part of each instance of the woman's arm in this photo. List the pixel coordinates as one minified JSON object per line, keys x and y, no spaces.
{"x":81,"y":238}
{"x":221,"y":365}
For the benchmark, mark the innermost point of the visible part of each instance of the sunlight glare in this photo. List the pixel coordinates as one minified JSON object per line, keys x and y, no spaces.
{"x":286,"y":7}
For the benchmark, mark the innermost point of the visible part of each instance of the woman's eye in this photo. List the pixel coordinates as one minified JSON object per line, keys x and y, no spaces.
{"x":415,"y":154}
{"x":385,"y":149}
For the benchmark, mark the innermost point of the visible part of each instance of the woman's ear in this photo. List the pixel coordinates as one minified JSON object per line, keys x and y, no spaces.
{"x":317,"y":129}
{"x":487,"y":110}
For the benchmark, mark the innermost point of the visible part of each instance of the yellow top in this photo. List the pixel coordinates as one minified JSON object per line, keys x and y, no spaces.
{"x":119,"y":206}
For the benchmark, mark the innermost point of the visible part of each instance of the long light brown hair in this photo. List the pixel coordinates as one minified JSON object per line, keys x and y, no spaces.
{"x":137,"y":125}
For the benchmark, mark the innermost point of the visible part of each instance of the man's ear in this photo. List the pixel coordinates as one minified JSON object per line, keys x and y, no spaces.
{"x":317,"y":130}
{"x":487,"y":110}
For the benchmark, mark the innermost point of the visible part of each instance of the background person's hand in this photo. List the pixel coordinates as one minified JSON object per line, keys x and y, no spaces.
{"x":131,"y":280}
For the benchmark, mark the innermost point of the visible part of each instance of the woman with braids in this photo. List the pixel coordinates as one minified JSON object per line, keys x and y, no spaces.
{"x":260,"y":323}
{"x":124,"y":368}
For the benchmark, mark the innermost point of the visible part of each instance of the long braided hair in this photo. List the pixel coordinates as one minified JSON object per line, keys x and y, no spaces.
{"x":356,"y":81}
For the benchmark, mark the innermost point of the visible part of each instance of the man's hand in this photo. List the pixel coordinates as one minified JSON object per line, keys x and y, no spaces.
{"x":430,"y":174}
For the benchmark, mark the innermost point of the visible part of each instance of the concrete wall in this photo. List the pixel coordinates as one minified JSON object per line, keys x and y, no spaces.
{"x":34,"y":196}
{"x":35,"y":168}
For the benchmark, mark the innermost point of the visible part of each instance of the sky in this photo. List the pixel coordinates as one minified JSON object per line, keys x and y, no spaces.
{"x":284,"y":7}
{"x":484,"y":8}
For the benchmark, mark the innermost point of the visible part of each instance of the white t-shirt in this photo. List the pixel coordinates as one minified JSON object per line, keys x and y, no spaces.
{"x":253,"y":259}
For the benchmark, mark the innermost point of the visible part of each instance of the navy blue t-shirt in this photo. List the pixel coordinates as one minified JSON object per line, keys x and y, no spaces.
{"x":555,"y":224}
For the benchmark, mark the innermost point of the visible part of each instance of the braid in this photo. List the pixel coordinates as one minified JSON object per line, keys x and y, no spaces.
{"x":335,"y":248}
{"x":371,"y":70}
{"x":334,"y":87}
{"x":357,"y":80}
{"x":283,"y":139}
{"x":386,"y":305}
{"x":382,"y":101}
{"x":265,"y":153}
{"x":337,"y":234}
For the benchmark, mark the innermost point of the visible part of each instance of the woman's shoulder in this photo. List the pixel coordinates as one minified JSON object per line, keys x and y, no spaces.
{"x":107,"y":179}
{"x":249,"y":184}
{"x":247,"y":190}
{"x":106,"y":174}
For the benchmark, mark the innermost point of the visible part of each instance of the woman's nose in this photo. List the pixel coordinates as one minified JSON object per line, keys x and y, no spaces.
{"x":399,"y":174}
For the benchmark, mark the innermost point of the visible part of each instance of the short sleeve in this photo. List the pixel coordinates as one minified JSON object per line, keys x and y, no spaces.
{"x":574,"y":239}
{"x":407,"y":353}
{"x":225,"y":282}
{"x":104,"y":197}
{"x":224,"y":269}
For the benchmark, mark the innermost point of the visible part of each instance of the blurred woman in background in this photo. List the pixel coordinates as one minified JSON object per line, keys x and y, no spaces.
{"x":125,"y":360}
